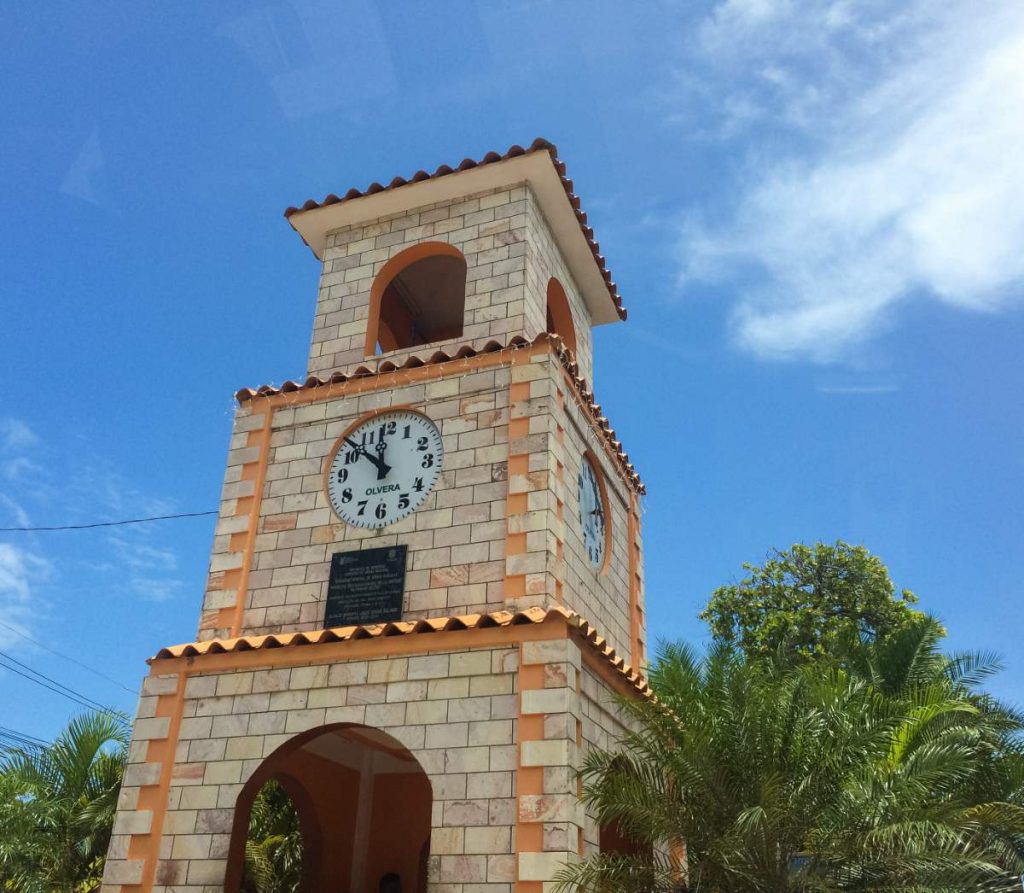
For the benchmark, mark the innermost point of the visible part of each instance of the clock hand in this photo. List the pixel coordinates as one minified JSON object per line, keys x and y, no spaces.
{"x":378,"y":461}
{"x":361,"y":450}
{"x":382,"y":467}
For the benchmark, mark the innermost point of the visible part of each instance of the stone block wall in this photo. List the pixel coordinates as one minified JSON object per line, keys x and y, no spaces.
{"x":550,"y":817}
{"x":603,"y":724}
{"x":510,"y":255}
{"x":455,"y":711}
{"x":544,"y":261}
{"x":500,"y":530}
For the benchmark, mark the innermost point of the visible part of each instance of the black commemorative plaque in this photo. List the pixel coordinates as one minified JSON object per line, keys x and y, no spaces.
{"x":366,"y":586}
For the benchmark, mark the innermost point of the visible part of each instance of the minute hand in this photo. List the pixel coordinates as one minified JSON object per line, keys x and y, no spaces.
{"x":382,"y":467}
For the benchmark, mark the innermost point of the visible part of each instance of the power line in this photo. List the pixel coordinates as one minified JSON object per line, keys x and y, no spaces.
{"x":23,"y":736}
{"x":66,"y":657}
{"x":60,"y":688}
{"x":12,"y":740}
{"x":5,"y":656}
{"x":105,"y":523}
{"x":44,"y":685}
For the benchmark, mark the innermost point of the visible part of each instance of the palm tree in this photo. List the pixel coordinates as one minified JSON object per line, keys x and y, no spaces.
{"x":811,"y":778}
{"x":273,"y":847}
{"x":57,"y":805}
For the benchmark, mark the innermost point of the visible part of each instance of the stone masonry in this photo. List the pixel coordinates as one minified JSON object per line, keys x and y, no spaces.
{"x":496,"y":681}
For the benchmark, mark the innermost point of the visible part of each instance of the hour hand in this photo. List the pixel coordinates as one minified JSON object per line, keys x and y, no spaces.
{"x":378,"y":461}
{"x":382,"y":467}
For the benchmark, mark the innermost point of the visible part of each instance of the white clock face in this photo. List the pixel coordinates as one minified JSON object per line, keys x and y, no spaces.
{"x":385,"y":468}
{"x":592,"y":513}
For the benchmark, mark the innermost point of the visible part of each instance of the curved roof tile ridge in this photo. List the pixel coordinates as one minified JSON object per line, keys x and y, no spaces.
{"x":439,"y":358}
{"x":427,"y":626}
{"x":538,"y":145}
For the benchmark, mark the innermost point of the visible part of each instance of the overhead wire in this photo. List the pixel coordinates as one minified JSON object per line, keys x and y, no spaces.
{"x":13,"y":740}
{"x":105,"y":523}
{"x":67,"y":657}
{"x":52,"y":684}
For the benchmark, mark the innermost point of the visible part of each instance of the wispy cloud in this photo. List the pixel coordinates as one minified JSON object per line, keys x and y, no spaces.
{"x":131,"y":560}
{"x":858,"y":389}
{"x":16,"y":434}
{"x":21,"y":573}
{"x":888,"y":166}
{"x":84,"y":177}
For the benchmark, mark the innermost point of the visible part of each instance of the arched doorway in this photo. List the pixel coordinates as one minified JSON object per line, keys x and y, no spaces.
{"x":363,"y":803}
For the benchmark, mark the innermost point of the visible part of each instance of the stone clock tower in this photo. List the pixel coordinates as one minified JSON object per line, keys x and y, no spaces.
{"x":426,"y":584}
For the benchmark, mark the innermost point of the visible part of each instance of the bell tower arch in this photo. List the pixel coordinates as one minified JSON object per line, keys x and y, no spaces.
{"x":417,"y":298}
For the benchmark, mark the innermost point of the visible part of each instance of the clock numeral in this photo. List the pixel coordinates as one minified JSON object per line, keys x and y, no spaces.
{"x":342,"y":475}
{"x":351,"y":457}
{"x":362,"y":506}
{"x":421,"y":443}
{"x":346,"y":494}
{"x":381,"y":510}
{"x":406,"y":431}
{"x":403,"y":500}
{"x":418,"y":485}
{"x":428,"y":461}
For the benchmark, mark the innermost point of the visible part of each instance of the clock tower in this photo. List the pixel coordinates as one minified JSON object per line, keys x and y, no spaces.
{"x":426,"y":585}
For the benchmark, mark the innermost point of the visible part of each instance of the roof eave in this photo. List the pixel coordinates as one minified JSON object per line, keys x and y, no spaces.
{"x":536,"y":168}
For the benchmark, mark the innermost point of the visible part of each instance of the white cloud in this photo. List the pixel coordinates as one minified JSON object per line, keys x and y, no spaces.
{"x":18,"y":467}
{"x":16,"y":434}
{"x":134,"y":561}
{"x":900,"y":176}
{"x":85,"y":174}
{"x":20,"y":572}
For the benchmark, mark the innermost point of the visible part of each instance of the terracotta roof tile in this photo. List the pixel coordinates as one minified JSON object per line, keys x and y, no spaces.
{"x":537,"y":145}
{"x":413,"y":627}
{"x":467,"y":350}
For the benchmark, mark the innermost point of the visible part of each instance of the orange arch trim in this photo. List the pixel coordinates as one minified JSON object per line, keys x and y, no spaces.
{"x":388,"y":272}
{"x":560,"y":315}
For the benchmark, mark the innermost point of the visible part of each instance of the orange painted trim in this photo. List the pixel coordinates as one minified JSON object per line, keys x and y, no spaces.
{"x":529,"y":780}
{"x":608,"y":673}
{"x":356,"y":649}
{"x":388,"y":272}
{"x":254,"y":519}
{"x":366,"y":380}
{"x":636,"y":648}
{"x":561,"y":314}
{"x":518,"y":465}
{"x":599,"y":432}
{"x":151,"y":841}
{"x":375,"y":381}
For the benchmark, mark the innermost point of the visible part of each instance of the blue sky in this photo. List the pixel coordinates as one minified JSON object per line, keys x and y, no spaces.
{"x":814,"y":211}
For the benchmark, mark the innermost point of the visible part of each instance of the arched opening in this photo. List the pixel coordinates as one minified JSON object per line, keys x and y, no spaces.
{"x":614,"y":840}
{"x":419,"y":297}
{"x":559,"y":314}
{"x":362,"y":804}
{"x":613,"y":837}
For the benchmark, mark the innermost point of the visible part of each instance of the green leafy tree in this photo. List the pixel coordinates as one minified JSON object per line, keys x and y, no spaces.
{"x":812,"y":777}
{"x":57,"y":806}
{"x":810,"y":601}
{"x":273,"y":847}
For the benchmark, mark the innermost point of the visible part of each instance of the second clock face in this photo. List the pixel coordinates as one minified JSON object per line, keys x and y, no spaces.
{"x":593,"y":519}
{"x":385,"y":468}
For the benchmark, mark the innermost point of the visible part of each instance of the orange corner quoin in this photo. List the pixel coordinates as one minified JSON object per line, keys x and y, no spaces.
{"x":425,"y":593}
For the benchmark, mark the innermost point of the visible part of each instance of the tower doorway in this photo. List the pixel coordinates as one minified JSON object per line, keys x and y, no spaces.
{"x":362,"y":807}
